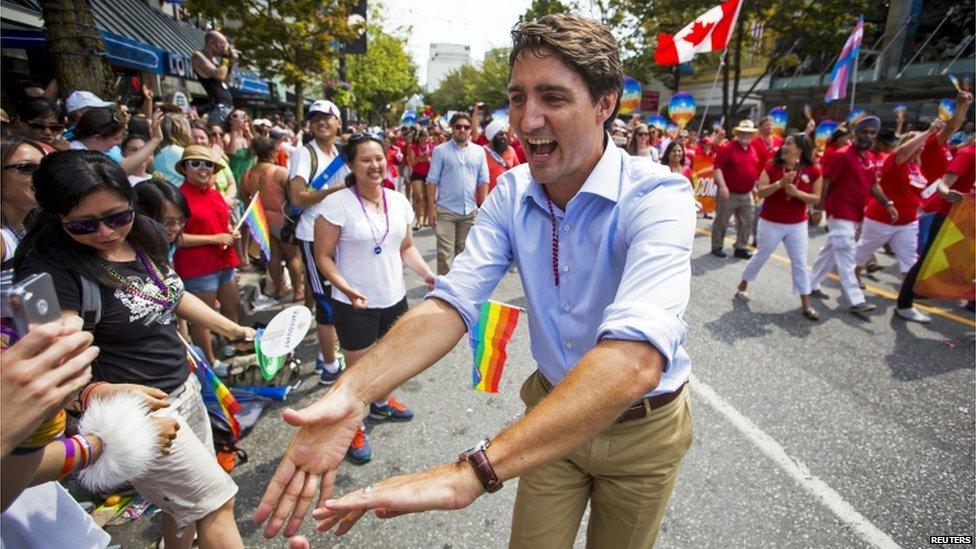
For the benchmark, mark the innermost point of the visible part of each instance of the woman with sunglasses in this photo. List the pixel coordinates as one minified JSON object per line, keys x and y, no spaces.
{"x":224,"y":179}
{"x":789,"y":184}
{"x":206,"y":259}
{"x":100,"y":130}
{"x":368,"y":230}
{"x":40,"y":120}
{"x":640,"y":143}
{"x":86,"y":226}
{"x":20,"y":160}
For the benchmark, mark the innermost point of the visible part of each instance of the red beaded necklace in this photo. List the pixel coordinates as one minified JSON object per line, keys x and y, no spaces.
{"x":555,"y":238}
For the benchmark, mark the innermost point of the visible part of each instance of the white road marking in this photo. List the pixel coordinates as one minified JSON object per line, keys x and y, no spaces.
{"x":794,"y":468}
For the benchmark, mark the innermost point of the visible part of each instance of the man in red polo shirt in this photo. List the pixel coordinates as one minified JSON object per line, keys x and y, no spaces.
{"x":736,"y":173}
{"x":849,"y":177}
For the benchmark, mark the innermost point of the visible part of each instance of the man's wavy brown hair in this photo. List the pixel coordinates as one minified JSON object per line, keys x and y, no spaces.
{"x":585,"y":45}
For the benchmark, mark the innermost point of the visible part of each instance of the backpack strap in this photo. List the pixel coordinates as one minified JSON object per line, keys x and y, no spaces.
{"x":91,"y":303}
{"x":314,"y":159}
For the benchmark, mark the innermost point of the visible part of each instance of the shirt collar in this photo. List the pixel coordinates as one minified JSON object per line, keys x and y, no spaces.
{"x":603,"y":181}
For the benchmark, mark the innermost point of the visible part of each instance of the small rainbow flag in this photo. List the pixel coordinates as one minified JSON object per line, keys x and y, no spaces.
{"x":257,"y":222}
{"x":228,"y":404}
{"x":488,"y":340}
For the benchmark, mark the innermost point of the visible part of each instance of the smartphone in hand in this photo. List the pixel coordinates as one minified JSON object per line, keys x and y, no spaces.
{"x":33,"y":301}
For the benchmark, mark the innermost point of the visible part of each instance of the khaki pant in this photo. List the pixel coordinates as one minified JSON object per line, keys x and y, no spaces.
{"x":742,"y":206}
{"x":452,"y":230}
{"x":626,"y":473}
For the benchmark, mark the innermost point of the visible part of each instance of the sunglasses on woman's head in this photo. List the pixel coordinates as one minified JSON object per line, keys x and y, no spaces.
{"x":25,"y":168}
{"x":195,"y":164}
{"x":90,"y":226}
{"x":40,"y":126}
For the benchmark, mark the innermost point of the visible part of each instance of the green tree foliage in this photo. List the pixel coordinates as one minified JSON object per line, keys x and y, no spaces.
{"x":384,"y":77}
{"x":464,"y":87}
{"x":290,"y":39}
{"x":544,"y":7}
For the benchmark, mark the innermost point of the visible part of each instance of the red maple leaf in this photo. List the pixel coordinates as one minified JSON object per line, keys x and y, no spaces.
{"x":699,"y":33}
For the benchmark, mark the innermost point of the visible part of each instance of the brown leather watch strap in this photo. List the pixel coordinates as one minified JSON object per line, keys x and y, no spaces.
{"x":483,"y":470}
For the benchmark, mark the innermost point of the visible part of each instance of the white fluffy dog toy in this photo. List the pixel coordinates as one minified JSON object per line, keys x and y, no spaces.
{"x":122,"y":422}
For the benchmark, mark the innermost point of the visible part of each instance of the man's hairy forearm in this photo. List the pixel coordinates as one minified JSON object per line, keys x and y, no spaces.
{"x":419,"y":339}
{"x":603,"y":384}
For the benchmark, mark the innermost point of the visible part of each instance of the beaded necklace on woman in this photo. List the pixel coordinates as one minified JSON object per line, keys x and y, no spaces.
{"x":158,"y":278}
{"x":373,"y":229}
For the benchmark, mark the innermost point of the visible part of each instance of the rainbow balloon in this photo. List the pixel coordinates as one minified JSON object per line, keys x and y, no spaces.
{"x":855,"y":115}
{"x":631,"y":97}
{"x":681,"y":108}
{"x":947,"y":109}
{"x":823,"y":132}
{"x":780,"y":118}
{"x":672,"y":130}
{"x":657,"y":121}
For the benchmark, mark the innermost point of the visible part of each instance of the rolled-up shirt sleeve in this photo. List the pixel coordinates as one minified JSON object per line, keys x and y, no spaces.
{"x":659,"y":229}
{"x":485,"y":260}
{"x":436,"y":165}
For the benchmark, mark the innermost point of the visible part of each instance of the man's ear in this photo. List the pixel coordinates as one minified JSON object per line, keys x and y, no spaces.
{"x":606,"y":105}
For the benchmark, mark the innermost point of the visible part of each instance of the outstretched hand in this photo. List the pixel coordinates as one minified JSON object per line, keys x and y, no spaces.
{"x":447,"y":487}
{"x":310,"y":461}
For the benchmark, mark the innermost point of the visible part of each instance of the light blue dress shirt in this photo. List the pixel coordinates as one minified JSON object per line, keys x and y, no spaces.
{"x":624,"y":262}
{"x":457,"y":172}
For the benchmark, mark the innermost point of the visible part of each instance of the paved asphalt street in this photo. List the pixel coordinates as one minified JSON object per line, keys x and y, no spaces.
{"x":841,"y":433}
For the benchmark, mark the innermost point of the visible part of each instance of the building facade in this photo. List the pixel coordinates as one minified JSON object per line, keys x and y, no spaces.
{"x":443,"y":59}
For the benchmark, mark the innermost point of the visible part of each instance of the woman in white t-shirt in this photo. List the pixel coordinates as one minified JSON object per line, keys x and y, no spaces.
{"x":367,"y":229}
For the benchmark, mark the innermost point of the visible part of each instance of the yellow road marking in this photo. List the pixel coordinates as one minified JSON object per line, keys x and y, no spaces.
{"x":868,"y":287}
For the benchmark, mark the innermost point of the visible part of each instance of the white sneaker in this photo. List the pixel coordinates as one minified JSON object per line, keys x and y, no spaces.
{"x":263,"y":302}
{"x":912,"y":314}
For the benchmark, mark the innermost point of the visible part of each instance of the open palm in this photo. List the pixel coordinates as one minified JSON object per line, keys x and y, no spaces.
{"x":310,"y":462}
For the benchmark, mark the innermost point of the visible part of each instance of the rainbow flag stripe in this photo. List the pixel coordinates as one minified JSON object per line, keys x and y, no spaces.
{"x":488,"y":341}
{"x":257,"y":222}
{"x":228,"y":404}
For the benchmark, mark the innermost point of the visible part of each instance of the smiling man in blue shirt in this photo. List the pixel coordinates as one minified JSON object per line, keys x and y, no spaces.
{"x":602,"y":242}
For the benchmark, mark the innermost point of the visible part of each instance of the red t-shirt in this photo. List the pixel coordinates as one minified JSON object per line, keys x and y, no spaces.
{"x":781,"y":208}
{"x":508,"y":161}
{"x":766,"y":151}
{"x":963,"y":166}
{"x":740,"y":167}
{"x":482,"y":140}
{"x":209,"y":214}
{"x":851,"y":176}
{"x":934,"y":158}
{"x":519,"y":151}
{"x":828,"y":151}
{"x":902,"y":184}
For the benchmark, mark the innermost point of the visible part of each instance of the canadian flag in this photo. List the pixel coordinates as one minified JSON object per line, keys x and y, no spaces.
{"x":709,"y":32}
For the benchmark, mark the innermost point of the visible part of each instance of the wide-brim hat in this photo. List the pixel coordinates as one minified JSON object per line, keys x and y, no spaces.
{"x":198,"y":152}
{"x":746,"y":126}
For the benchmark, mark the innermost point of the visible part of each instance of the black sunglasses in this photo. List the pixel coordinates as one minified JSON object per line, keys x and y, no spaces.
{"x":195,"y":164}
{"x":40,"y":126}
{"x":90,"y":226}
{"x":25,"y":168}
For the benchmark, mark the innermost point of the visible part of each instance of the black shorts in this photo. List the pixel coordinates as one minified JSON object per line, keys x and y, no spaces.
{"x":417,"y":176}
{"x":321,"y":289}
{"x":360,"y":328}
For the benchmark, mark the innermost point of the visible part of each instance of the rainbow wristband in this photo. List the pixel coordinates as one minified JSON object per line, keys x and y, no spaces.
{"x":86,"y":451}
{"x":69,"y":457}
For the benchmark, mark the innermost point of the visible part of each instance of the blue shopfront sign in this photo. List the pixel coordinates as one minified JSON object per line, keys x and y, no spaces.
{"x":132,"y":54}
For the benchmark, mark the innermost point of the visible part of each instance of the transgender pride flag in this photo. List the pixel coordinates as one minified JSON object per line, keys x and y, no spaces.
{"x":846,"y":63}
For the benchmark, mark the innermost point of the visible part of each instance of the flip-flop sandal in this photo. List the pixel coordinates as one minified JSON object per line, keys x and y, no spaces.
{"x":811,"y":313}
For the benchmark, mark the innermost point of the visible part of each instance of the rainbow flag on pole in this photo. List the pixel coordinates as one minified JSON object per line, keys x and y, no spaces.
{"x":228,"y":404}
{"x":488,"y":341}
{"x":257,"y":222}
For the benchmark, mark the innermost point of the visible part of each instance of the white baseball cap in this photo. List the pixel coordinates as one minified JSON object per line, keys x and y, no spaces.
{"x":494,"y":127}
{"x":262,"y":122}
{"x":324,"y":106}
{"x":84,"y":100}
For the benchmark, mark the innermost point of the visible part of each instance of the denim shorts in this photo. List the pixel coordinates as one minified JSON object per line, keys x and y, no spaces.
{"x":209,"y":283}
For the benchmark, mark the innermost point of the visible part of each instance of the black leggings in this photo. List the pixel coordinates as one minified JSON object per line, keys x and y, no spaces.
{"x":906,"y":296}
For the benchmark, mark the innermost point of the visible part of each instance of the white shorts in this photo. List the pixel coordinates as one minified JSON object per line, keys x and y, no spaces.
{"x":188,"y":484}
